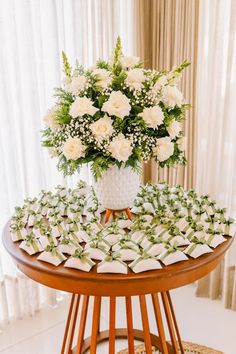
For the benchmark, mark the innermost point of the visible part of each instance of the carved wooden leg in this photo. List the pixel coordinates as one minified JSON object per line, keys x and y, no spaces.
{"x":175,"y":323}
{"x":130,"y":328}
{"x":95,"y":324}
{"x":70,"y":325}
{"x":147,"y":337}
{"x":160,"y":327}
{"x":82,"y":325}
{"x":112,"y":325}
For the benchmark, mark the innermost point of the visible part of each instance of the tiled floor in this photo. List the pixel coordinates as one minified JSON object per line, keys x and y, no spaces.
{"x":200,"y":320}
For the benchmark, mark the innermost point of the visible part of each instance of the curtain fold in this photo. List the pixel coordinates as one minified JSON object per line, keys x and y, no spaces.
{"x":216,"y":126}
{"x":166,"y":35}
{"x":32,"y":35}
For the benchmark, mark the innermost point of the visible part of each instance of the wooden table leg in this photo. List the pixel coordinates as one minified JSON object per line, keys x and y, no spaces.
{"x":169,"y":322}
{"x":82,"y":325}
{"x":160,"y":327}
{"x":70,"y":325}
{"x":147,"y":337}
{"x":112,"y":325}
{"x":95,"y":324}
{"x":175,"y":323}
{"x":130,"y":328}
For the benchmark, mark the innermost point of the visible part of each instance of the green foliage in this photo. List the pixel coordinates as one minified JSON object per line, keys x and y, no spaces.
{"x":181,"y":67}
{"x":102,"y":64}
{"x":66,"y":65}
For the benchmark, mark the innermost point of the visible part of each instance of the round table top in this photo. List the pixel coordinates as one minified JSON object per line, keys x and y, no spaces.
{"x":92,"y":283}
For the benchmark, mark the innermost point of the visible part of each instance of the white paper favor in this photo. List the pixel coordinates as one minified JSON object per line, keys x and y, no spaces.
{"x":52,"y":255}
{"x":172,"y":256}
{"x":144,"y":264}
{"x":196,"y":250}
{"x":112,"y":265}
{"x":31,"y":245}
{"x":81,"y":261}
{"x":18,"y":234}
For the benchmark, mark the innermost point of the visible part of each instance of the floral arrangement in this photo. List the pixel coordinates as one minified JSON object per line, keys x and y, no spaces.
{"x":116,"y":113}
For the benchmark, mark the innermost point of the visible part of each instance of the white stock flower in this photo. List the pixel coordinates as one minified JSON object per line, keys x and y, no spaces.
{"x":117,"y":105}
{"x":82,"y":106}
{"x":182,"y":142}
{"x":135,"y":79}
{"x":174,"y":128}
{"x":120,"y":148}
{"x":73,"y":149}
{"x":50,"y":119}
{"x":102,"y":128}
{"x":76,"y":85}
{"x":172,"y":97}
{"x":129,"y":61}
{"x":153,"y":116}
{"x":161,"y":82}
{"x":103,"y":78}
{"x":163,"y":149}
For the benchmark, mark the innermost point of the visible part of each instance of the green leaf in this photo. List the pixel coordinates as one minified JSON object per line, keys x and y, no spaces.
{"x":101,"y":100}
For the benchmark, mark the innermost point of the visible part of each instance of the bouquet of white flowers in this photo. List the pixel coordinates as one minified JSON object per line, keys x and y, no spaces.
{"x":116,"y":113}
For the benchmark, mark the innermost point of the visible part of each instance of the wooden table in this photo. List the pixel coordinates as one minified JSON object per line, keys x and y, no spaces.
{"x":83,"y":285}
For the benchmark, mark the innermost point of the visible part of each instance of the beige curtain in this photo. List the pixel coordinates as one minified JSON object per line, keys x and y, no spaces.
{"x":166,"y":35}
{"x":216,"y":128}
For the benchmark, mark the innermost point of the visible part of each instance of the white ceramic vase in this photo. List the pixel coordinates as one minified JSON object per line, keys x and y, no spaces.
{"x":117,"y":188}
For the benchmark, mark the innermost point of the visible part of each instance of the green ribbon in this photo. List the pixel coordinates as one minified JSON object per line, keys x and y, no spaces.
{"x":115,"y":256}
{"x":142,"y":256}
{"x":31,"y":240}
{"x":97,"y":245}
{"x":54,"y":251}
{"x":196,"y":242}
{"x":68,"y":241}
{"x":83,"y":256}
{"x":170,"y":250}
{"x":16,"y":228}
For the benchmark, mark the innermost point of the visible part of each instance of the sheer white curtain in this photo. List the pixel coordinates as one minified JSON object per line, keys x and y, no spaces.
{"x":32,"y":35}
{"x":216,"y":127}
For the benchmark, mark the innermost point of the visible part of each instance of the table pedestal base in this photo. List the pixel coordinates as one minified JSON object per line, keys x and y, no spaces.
{"x":130,"y":333}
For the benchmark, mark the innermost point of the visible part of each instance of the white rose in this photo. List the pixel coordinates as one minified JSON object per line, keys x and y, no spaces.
{"x":163,"y":149}
{"x":82,"y":106}
{"x":153,"y":116}
{"x":77,"y":84}
{"x":172,"y":97}
{"x":120,"y":148}
{"x":174,"y":129}
{"x":50,"y":119}
{"x":182,"y":142}
{"x":73,"y":149}
{"x":103,"y":78}
{"x":102,"y":128}
{"x":162,"y":81}
{"x":135,"y":78}
{"x":117,"y":105}
{"x":129,"y":62}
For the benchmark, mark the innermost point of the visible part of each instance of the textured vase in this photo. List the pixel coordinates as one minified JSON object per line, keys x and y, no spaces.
{"x":117,"y":188}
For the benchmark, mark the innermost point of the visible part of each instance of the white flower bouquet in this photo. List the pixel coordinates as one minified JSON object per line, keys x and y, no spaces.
{"x":116,"y":113}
